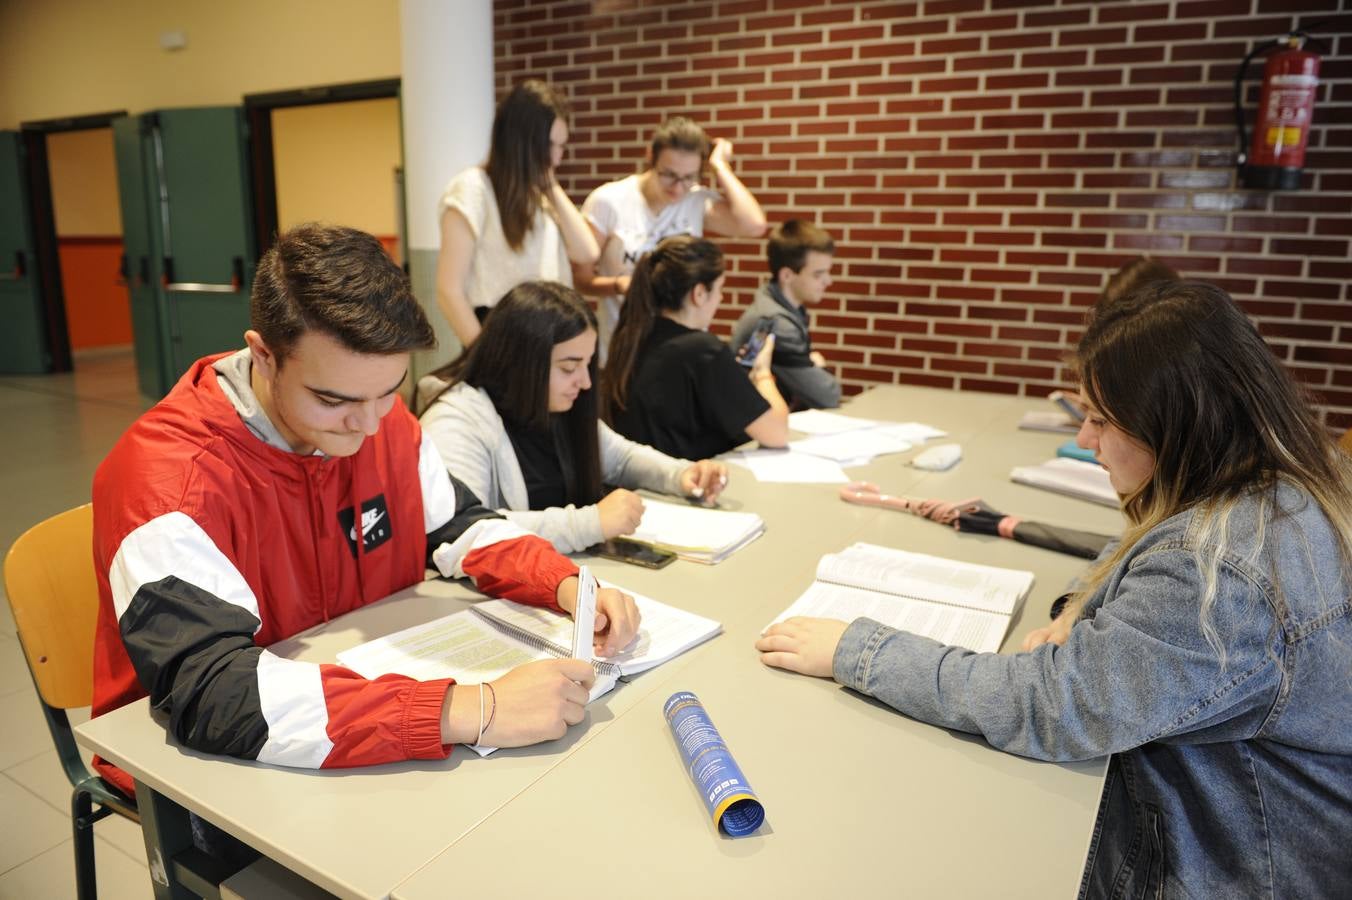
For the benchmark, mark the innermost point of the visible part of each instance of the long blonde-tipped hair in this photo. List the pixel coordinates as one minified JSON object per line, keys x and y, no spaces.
{"x":1179,"y":368}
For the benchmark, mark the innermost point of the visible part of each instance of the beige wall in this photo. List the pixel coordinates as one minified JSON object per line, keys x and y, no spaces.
{"x":70,"y":57}
{"x":335,"y":163}
{"x":84,"y":182}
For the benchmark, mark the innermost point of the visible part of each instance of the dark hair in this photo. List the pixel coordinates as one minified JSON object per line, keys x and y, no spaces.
{"x":662,"y":280}
{"x":680,"y":133}
{"x":518,"y":155}
{"x":340,"y":282}
{"x":510,"y":360}
{"x":1133,"y":275}
{"x":790,"y":243}
{"x":1177,"y":366}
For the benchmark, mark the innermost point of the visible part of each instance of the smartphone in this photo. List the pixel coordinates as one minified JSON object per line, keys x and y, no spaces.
{"x":1068,"y":404}
{"x":633,"y":552}
{"x":754,"y":344}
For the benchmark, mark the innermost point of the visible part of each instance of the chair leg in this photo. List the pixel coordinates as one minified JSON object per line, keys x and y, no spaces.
{"x":81,"y":816}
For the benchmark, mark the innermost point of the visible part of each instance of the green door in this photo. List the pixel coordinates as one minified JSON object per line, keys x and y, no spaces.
{"x":206,"y":223}
{"x":187,"y":219}
{"x":140,"y":256}
{"x":23,"y":337}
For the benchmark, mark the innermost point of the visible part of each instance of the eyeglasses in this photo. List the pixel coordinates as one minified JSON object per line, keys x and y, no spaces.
{"x":671,"y":179}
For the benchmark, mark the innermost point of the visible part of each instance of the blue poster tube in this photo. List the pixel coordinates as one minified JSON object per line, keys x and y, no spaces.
{"x":729,"y":798}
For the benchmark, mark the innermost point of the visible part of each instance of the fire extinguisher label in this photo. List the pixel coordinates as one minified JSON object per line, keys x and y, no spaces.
{"x":1295,"y":81}
{"x":1282,"y":137}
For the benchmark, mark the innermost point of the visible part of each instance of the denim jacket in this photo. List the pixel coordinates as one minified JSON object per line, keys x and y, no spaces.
{"x":1230,"y":780}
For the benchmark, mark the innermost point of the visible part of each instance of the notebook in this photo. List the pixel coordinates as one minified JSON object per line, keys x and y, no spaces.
{"x":1072,"y":450}
{"x":957,"y":603}
{"x":1085,"y":480}
{"x":696,"y":533}
{"x":493,"y":637}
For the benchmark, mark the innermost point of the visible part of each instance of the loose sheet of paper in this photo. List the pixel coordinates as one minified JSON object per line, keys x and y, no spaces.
{"x":852,"y":447}
{"x":461,"y":646}
{"x":914,"y":432}
{"x":819,"y":421}
{"x":790,"y":466}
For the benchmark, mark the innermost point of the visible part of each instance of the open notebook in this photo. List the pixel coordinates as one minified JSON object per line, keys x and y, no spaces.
{"x":695,"y":533}
{"x":958,"y":603}
{"x":493,"y":637}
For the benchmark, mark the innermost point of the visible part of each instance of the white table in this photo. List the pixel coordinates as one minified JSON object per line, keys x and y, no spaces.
{"x":858,"y":797}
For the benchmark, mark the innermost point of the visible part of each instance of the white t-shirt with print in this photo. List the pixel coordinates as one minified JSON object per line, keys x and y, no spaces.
{"x":495,"y":267}
{"x":619,"y":209}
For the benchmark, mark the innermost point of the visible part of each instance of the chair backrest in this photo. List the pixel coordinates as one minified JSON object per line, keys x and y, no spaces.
{"x":49,"y":576}
{"x":1346,"y":441}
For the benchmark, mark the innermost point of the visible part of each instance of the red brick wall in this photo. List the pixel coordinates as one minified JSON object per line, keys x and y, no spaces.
{"x":981,"y":163}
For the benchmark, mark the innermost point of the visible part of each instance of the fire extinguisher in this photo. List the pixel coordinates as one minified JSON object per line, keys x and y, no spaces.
{"x":1273,"y":160}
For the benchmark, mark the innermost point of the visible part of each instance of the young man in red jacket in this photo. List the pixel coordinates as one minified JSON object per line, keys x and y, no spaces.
{"x":285,"y":484}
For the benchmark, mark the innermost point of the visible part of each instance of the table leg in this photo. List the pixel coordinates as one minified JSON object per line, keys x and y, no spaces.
{"x":167,"y":833}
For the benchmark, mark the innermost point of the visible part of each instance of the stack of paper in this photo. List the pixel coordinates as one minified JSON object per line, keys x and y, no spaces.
{"x":1088,"y":481}
{"x":694,"y":533}
{"x":854,"y":442}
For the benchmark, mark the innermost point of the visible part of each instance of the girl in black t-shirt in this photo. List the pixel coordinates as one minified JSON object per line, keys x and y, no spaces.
{"x":671,"y":384}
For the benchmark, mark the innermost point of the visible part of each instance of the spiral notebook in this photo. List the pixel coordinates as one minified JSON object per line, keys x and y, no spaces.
{"x":963,"y":604}
{"x":493,"y":637}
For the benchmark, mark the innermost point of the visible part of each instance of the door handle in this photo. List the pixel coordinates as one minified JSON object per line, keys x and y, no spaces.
{"x":20,"y":268}
{"x":198,"y":287}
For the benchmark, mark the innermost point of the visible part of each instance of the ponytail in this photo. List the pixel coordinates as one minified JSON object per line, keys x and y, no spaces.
{"x":661,"y":282}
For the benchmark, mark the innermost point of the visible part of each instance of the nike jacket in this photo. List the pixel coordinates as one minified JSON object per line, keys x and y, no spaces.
{"x":210,"y":545}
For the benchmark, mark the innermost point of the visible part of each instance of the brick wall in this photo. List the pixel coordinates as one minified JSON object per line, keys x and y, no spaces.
{"x":981,"y":163}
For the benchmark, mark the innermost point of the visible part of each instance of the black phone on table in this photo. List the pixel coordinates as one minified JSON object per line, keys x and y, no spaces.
{"x":754,"y":344}
{"x":635,"y":553}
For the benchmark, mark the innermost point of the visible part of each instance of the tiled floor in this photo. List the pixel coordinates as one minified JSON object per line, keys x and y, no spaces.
{"x":60,"y":427}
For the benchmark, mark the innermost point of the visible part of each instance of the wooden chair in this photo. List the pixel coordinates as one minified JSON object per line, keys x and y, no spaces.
{"x":1346,"y":441}
{"x":49,"y":576}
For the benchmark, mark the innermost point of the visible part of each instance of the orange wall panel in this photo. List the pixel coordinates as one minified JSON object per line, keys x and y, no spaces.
{"x":98,"y":310}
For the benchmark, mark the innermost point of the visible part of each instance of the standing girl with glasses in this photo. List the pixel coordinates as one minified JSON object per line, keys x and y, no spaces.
{"x":1213,"y":653}
{"x":509,"y":221}
{"x":629,"y":216}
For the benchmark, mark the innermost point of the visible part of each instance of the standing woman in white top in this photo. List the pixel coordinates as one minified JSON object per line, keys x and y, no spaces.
{"x":509,"y":221}
{"x":631,"y":215}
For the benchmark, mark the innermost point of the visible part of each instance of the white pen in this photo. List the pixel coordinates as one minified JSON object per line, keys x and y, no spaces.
{"x":584,"y":615}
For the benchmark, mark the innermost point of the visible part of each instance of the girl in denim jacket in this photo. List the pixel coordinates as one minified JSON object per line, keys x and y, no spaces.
{"x":1212,"y":654}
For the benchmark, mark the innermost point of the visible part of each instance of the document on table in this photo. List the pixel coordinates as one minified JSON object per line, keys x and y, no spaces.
{"x":819,"y":421}
{"x":852,"y":447}
{"x":789,"y":466}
